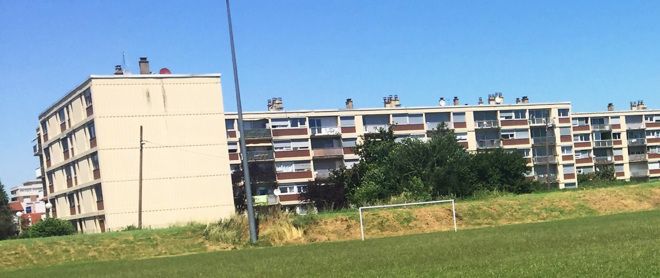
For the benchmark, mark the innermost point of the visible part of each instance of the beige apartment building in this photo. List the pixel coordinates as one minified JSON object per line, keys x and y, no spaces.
{"x":291,"y":148}
{"x":89,"y":145}
{"x":627,"y":140}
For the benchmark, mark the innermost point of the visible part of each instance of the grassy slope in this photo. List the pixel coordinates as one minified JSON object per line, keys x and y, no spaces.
{"x":337,"y":226}
{"x":622,"y":245}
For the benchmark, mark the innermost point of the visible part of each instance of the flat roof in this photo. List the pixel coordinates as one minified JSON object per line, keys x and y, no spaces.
{"x":618,"y":112}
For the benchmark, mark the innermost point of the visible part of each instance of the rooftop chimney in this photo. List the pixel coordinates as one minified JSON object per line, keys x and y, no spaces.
{"x":517,"y":100}
{"x":391,"y":101}
{"x":637,"y":105}
{"x":456,"y":102}
{"x":481,"y":101}
{"x":442,"y":101}
{"x":275,"y":104}
{"x":525,"y":99}
{"x":610,"y":107}
{"x":118,"y":70}
{"x":349,"y":104}
{"x":144,"y":66}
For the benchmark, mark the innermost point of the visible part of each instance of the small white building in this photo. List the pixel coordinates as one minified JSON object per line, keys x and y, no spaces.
{"x":30,"y":195}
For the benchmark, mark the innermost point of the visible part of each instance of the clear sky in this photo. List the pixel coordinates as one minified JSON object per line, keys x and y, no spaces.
{"x":315,"y":54}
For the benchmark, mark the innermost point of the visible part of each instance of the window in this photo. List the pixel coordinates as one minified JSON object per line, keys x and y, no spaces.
{"x":349,"y":142}
{"x":300,"y":144}
{"x":91,"y":130}
{"x":61,"y":115}
{"x":564,"y":131}
{"x":461,"y":136}
{"x":44,"y":127}
{"x":585,"y":170}
{"x":581,"y":138}
{"x":87,"y":95}
{"x":72,"y":200}
{"x":654,"y":149}
{"x":298,"y":122}
{"x":95,"y":161}
{"x":287,"y":189}
{"x":513,"y":114}
{"x":407,"y":119}
{"x":563,"y":113}
{"x":653,"y":134}
{"x":230,"y":124}
{"x":65,"y":144}
{"x":233,"y":147}
{"x":648,"y":118}
{"x":524,"y":152}
{"x":286,"y":123}
{"x":287,"y":145}
{"x":654,"y":165}
{"x":291,"y":166}
{"x":615,"y":120}
{"x":580,"y":121}
{"x":618,"y":168}
{"x":567,"y":150}
{"x":617,"y":151}
{"x":347,"y":121}
{"x":569,"y":169}
{"x":98,"y":192}
{"x":28,"y":209}
{"x":616,"y":136}
{"x":582,"y":154}
{"x":47,"y":153}
{"x":459,"y":117}
{"x":508,"y":134}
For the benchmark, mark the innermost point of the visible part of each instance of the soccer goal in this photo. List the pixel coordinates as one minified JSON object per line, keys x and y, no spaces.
{"x":453,"y":211}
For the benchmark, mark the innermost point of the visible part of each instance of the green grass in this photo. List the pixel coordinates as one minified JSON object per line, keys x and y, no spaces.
{"x":622,"y":245}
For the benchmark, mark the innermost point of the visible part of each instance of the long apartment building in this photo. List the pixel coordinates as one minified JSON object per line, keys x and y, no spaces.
{"x":288,"y":149}
{"x":629,"y":141}
{"x":89,"y":147}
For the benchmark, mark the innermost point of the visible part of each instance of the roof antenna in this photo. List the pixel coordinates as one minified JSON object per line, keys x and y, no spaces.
{"x":123,"y":62}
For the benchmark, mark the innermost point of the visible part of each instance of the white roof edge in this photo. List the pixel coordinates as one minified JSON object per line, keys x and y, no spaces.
{"x":619,"y":112}
{"x":120,"y":76}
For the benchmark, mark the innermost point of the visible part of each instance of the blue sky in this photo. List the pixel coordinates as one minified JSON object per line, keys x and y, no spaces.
{"x":315,"y":54}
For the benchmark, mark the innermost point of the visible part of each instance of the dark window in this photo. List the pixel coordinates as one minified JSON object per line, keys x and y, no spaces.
{"x":88,"y":97}
{"x":72,"y":200}
{"x":98,"y":192}
{"x":95,"y":161}
{"x":44,"y":127}
{"x":62,"y":115}
{"x":92,"y":131}
{"x":65,"y":143}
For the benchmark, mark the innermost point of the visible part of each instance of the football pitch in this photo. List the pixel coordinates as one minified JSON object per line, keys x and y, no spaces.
{"x":621,"y":245}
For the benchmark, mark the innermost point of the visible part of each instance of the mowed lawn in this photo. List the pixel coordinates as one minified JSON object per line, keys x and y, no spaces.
{"x":622,"y":245}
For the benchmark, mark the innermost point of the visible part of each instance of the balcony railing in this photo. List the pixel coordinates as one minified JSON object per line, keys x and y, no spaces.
{"x":487,"y":124}
{"x":538,"y":121}
{"x":637,"y":157}
{"x":265,"y":200}
{"x":374,"y":128}
{"x":489,"y":143}
{"x":544,"y":177}
{"x":600,"y":127}
{"x":434,"y":125}
{"x":639,"y":173}
{"x":35,"y":150}
{"x":319,"y":131}
{"x":603,"y":159}
{"x":544,"y":159}
{"x":37,"y":172}
{"x":328,"y":152}
{"x":546,"y":140}
{"x":257,"y":133}
{"x":636,"y":142}
{"x":259,"y":155}
{"x":602,"y":143}
{"x":323,"y":173}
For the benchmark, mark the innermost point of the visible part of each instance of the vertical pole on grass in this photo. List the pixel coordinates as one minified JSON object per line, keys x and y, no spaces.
{"x":453,"y":210}
{"x":239,"y":108}
{"x":140,"y":182}
{"x":361,"y":224}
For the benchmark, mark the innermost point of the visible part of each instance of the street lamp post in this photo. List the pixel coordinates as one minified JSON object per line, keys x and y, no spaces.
{"x":49,"y":206}
{"x":18,"y":215}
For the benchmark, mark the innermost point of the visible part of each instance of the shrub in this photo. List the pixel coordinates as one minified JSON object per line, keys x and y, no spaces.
{"x":304,"y":221}
{"x":233,"y":230}
{"x":50,"y":227}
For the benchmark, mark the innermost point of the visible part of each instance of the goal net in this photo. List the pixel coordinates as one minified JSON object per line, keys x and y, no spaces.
{"x":453,"y":211}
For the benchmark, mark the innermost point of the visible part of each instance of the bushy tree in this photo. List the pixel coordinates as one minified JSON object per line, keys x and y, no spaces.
{"x":50,"y":227}
{"x":7,"y":225}
{"x":500,"y":169}
{"x":326,"y":194}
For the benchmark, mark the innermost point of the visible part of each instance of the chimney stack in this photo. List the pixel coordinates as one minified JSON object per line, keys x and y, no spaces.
{"x":349,"y":104}
{"x":517,"y":100}
{"x":491,"y":99}
{"x":119,"y":70}
{"x":525,"y":99}
{"x":275,"y":104}
{"x":442,"y":101}
{"x":144,"y":65}
{"x":391,"y":101}
{"x":456,"y":102}
{"x":637,"y":105}
{"x":610,"y":107}
{"x":481,"y":101}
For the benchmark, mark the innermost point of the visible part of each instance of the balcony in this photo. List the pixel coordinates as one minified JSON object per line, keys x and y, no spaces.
{"x":298,"y":174}
{"x":489,"y":143}
{"x":543,"y":177}
{"x":639,"y":174}
{"x":261,"y":133}
{"x":259,"y":155}
{"x":635,"y":126}
{"x":265,"y":200}
{"x":600,"y":127}
{"x":99,"y":205}
{"x":636,"y":142}
{"x":325,"y":131}
{"x":548,"y":140}
{"x":538,"y":121}
{"x":602,"y":143}
{"x":637,"y":157}
{"x":374,"y":128}
{"x":603,"y":160}
{"x":35,"y":150}
{"x":544,"y":159}
{"x":487,"y":124}
{"x":37,"y":173}
{"x":330,"y":152}
{"x":323,"y":173}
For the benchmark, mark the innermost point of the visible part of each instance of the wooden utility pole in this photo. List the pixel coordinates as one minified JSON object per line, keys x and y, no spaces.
{"x":140,"y":181}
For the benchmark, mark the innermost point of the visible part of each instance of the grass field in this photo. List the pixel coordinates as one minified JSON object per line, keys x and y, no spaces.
{"x":622,"y":245}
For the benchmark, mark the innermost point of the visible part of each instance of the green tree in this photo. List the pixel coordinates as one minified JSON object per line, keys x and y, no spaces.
{"x":51,"y":227}
{"x":503,"y":170}
{"x":7,"y":226}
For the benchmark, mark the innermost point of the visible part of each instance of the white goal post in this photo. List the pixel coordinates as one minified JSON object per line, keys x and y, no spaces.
{"x":453,"y":211}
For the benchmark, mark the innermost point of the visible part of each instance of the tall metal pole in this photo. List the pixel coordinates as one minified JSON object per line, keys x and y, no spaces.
{"x":239,"y":108}
{"x":140,"y":181}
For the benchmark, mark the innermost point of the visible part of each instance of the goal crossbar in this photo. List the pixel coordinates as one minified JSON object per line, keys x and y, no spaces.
{"x":453,"y":211}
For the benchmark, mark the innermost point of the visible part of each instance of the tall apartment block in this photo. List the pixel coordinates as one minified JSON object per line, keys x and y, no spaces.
{"x":629,"y":141}
{"x":89,"y":146}
{"x":290,"y":148}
